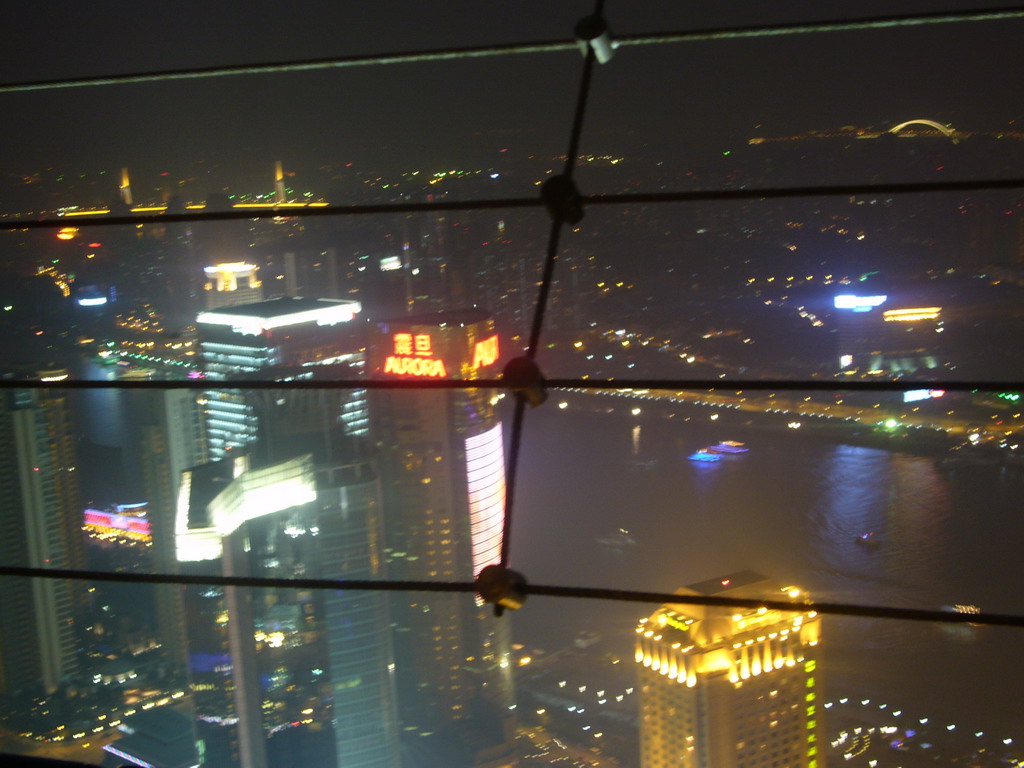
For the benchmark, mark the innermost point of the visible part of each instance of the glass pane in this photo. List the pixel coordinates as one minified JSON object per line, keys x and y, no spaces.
{"x":354,"y":677}
{"x":661,"y":491}
{"x":824,"y":288}
{"x":802,"y":109}
{"x":268,"y":299}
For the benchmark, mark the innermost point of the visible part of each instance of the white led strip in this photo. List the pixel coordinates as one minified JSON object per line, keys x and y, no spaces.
{"x":485,"y":474}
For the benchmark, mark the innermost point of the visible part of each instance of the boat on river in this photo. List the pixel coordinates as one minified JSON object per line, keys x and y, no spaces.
{"x":728,"y":446}
{"x":620,"y":538}
{"x":704,"y":455}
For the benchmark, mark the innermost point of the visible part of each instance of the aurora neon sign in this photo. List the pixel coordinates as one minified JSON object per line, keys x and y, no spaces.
{"x":414,"y":356}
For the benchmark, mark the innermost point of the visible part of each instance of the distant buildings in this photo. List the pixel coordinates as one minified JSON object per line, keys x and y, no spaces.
{"x":158,"y":738}
{"x":886,"y":342}
{"x":728,"y":688}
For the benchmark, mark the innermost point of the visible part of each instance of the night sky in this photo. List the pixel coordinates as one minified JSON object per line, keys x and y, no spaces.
{"x":682,"y":99}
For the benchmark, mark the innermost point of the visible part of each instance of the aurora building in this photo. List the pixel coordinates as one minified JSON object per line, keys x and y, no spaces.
{"x":441,"y":463}
{"x":726,"y":688}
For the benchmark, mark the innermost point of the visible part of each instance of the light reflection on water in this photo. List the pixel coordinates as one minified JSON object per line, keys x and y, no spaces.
{"x":792,"y":508}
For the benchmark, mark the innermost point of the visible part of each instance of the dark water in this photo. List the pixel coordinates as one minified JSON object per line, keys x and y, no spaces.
{"x":792,"y":508}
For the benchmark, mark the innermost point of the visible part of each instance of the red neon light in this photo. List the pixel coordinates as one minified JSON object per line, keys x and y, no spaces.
{"x":485,"y":352}
{"x":413,"y":344}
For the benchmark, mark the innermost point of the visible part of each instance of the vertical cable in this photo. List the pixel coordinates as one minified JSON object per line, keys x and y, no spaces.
{"x":516,"y":438}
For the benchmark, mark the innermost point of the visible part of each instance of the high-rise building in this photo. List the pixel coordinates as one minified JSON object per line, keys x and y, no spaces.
{"x":251,"y":338}
{"x":730,"y":688}
{"x":169,"y":438}
{"x":441,"y":463}
{"x":229,"y":284}
{"x":40,"y":527}
{"x":359,"y":649}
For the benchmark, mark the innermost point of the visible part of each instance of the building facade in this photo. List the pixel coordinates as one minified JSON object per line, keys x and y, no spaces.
{"x":248,"y":339}
{"x":40,"y":527}
{"x":730,"y":688}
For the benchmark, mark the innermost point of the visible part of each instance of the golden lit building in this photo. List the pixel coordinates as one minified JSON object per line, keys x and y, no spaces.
{"x":230,"y":284}
{"x":726,"y":688}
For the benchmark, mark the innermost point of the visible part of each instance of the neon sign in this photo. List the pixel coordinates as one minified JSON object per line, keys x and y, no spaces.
{"x":414,"y":356}
{"x":913,"y":395}
{"x":130,"y":526}
{"x":485,"y":352}
{"x":858,"y":303}
{"x":485,"y":479}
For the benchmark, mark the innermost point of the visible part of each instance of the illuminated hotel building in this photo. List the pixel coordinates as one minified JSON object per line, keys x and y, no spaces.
{"x":229,"y":284}
{"x":730,"y":688}
{"x":40,"y":527}
{"x":251,"y":338}
{"x":878,"y":341}
{"x":442,"y":471}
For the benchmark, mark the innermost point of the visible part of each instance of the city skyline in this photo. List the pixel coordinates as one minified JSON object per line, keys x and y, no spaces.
{"x":903,"y":495}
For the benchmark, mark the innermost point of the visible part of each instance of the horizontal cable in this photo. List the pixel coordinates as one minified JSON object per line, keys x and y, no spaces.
{"x":302,"y":65}
{"x":706,"y":195}
{"x":812,"y":27}
{"x":588,"y":593}
{"x":897,"y":188}
{"x":550,"y":46}
{"x":205,"y":385}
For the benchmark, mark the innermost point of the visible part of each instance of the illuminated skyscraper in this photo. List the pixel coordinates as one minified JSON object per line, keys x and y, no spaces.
{"x":40,"y":527}
{"x":442,"y":472}
{"x":724,"y":688}
{"x":168,"y":438}
{"x":232,"y":283}
{"x":251,"y":338}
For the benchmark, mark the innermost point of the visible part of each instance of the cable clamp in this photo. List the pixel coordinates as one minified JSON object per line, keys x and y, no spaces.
{"x":562,"y":199}
{"x":522,"y":376}
{"x":501,"y":587}
{"x":592,"y":33}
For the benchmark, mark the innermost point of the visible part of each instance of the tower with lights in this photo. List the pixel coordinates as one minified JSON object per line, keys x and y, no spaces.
{"x":440,"y":455}
{"x":730,"y":688}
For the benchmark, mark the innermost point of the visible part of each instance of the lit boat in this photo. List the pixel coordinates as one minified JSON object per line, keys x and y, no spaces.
{"x":620,"y":538}
{"x":704,"y":455}
{"x":968,"y":608}
{"x":728,"y":446}
{"x":868,"y":539}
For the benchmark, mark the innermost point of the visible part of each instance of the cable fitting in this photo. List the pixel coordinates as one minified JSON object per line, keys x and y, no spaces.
{"x":562,"y":199}
{"x":592,"y":33}
{"x":501,"y":587}
{"x":522,"y":376}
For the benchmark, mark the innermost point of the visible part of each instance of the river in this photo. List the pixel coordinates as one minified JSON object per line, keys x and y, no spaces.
{"x":791,"y":508}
